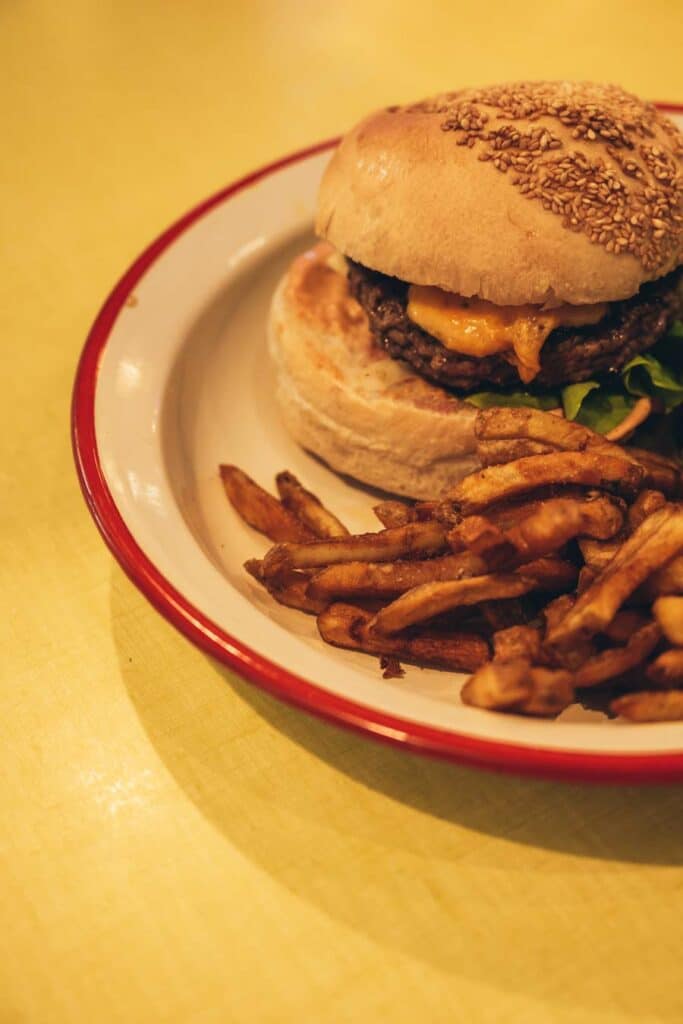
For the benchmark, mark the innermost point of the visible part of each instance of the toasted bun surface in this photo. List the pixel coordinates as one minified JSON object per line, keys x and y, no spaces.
{"x":351,"y":404}
{"x":543,"y":192}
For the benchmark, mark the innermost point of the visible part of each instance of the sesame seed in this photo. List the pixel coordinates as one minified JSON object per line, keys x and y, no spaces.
{"x":628,"y":171}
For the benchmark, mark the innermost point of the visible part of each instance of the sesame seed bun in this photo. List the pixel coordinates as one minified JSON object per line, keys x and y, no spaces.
{"x":345,"y":400}
{"x":540,"y":193}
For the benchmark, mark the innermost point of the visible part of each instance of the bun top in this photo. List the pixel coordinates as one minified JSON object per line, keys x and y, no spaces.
{"x":542,"y":192}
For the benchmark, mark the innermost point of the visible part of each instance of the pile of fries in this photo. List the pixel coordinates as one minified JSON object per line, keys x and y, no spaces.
{"x":556,"y":568}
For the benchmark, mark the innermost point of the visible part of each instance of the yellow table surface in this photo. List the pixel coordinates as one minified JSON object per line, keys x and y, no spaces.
{"x":174,"y":844}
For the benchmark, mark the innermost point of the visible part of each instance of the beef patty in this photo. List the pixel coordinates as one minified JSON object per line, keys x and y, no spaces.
{"x":570,"y":354}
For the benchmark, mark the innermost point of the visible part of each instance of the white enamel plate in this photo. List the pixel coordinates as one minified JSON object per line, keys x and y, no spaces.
{"x":173,"y":380}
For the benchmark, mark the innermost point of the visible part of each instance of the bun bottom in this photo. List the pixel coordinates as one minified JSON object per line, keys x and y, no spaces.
{"x":362,"y":412}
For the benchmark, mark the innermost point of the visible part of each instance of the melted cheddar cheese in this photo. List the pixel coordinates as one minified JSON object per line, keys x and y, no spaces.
{"x":478,"y":328}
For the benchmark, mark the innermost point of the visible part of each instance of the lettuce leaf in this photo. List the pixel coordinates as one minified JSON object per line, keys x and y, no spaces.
{"x":513,"y":399}
{"x":645,"y":375}
{"x":603,"y":409}
{"x":574,"y":395}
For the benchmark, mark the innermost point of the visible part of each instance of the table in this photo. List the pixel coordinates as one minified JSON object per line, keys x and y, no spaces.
{"x":177,"y":846}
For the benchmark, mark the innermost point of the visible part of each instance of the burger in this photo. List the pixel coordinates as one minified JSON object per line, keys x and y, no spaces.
{"x":518,"y":244}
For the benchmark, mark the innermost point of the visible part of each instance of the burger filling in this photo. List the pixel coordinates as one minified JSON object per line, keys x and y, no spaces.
{"x":467,"y":344}
{"x":474,"y":327}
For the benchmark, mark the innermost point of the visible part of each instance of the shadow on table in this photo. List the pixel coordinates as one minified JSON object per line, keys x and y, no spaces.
{"x":382,"y":839}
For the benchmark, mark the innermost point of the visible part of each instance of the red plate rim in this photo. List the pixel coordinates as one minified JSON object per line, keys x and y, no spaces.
{"x":207,"y":635}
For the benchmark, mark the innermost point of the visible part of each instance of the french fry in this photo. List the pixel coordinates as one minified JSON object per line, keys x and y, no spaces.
{"x":430,"y":599}
{"x":616,"y":660}
{"x":427,"y":538}
{"x":597,"y":554}
{"x":650,"y":706}
{"x":499,"y":615}
{"x":645,"y":504}
{"x":344,"y":625}
{"x":307,"y":507}
{"x":542,"y":428}
{"x":476,"y":492}
{"x":580,"y":652}
{"x":498,"y":686}
{"x":387,"y":579}
{"x":494,"y":452}
{"x":557,"y":609}
{"x":655,"y":542}
{"x":667,"y":669}
{"x":661,"y":473}
{"x":517,"y":642}
{"x":666,"y":581}
{"x":533,"y":424}
{"x":394,"y":513}
{"x":552,"y":690}
{"x":483,"y":538}
{"x":624,"y":624}
{"x":587,"y":577}
{"x":544,"y":530}
{"x":261,"y":510}
{"x":290,"y":590}
{"x":559,"y":520}
{"x":668,"y":612}
{"x":519,"y":686}
{"x":551,"y":574}
{"x":502,"y":516}
{"x":399,"y":513}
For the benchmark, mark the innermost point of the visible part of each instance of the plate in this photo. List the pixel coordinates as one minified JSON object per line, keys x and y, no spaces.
{"x":174,"y":379}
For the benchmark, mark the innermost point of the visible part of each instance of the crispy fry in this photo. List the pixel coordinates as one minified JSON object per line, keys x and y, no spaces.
{"x":517,"y":642}
{"x":580,"y":652}
{"x":498,"y":686}
{"x":668,"y":580}
{"x":650,"y":706}
{"x":656,"y":541}
{"x":307,"y":507}
{"x":387,"y":579}
{"x":616,"y":660}
{"x":346,"y":626}
{"x":482,"y":537}
{"x":261,"y":510}
{"x":552,"y":690}
{"x":494,"y":452}
{"x":399,"y":513}
{"x":395,"y":513}
{"x":556,"y":610}
{"x":667,"y":669}
{"x":551,"y":574}
{"x":500,"y":615}
{"x":598,"y":554}
{"x":624,"y":625}
{"x":430,"y":599}
{"x":533,"y":424}
{"x":427,"y":538}
{"x":544,"y":530}
{"x":669,"y":614}
{"x":661,"y":473}
{"x":519,"y":686}
{"x":645,"y":504}
{"x":291,"y":590}
{"x":587,"y":577}
{"x":476,"y":492}
{"x":559,"y":520}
